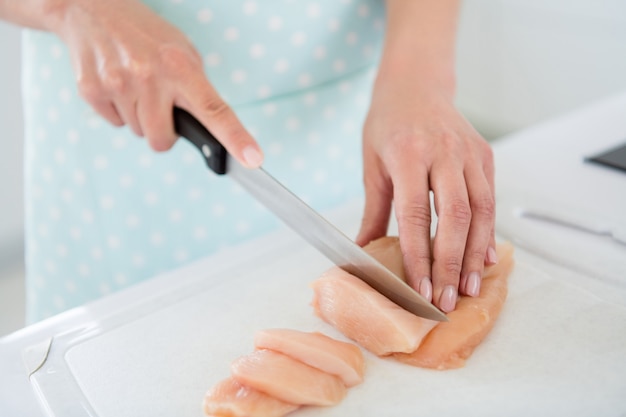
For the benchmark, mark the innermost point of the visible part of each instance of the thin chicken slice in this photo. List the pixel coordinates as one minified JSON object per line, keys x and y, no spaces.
{"x":231,"y":399}
{"x":344,"y":360}
{"x":287,"y":379}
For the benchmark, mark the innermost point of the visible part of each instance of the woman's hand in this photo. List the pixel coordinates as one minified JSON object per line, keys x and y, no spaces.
{"x":414,"y":142}
{"x":133,"y":67}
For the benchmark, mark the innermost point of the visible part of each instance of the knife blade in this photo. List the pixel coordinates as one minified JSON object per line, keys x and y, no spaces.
{"x":309,"y":224}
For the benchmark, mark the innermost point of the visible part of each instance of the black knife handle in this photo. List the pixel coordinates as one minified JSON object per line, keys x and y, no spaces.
{"x":191,"y":129}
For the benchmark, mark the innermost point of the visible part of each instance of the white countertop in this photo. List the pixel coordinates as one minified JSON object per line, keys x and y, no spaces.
{"x":189,"y":319}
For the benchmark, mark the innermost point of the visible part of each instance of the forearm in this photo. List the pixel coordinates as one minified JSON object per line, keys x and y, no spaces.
{"x":36,"y":14}
{"x":420,"y":43}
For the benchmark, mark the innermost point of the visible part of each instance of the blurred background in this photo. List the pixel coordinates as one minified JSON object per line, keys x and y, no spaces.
{"x":519,"y":62}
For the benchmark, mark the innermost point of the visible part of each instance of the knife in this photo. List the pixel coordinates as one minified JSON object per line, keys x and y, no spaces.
{"x":316,"y":230}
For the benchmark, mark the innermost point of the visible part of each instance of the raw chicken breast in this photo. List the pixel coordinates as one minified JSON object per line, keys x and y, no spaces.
{"x":365,"y":316}
{"x":231,"y":399}
{"x":449,"y":344}
{"x":344,"y":360}
{"x":287,"y":379}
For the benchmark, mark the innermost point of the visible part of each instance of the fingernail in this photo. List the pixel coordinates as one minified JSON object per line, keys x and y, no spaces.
{"x":447,"y":300}
{"x":473,"y":284}
{"x":492,"y":256}
{"x":426,"y":288}
{"x":252,"y":156}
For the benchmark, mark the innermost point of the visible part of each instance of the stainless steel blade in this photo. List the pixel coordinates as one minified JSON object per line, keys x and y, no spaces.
{"x":329,"y":240}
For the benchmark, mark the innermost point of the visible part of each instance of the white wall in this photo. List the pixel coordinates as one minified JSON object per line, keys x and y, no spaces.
{"x":11,"y":144}
{"x":522,"y":61}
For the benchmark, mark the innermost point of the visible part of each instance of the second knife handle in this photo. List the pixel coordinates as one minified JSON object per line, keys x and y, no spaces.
{"x":191,"y":129}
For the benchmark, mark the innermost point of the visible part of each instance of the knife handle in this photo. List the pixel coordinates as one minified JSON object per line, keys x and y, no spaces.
{"x":191,"y":129}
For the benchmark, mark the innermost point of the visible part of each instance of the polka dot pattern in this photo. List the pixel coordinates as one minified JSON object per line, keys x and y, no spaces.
{"x":103,"y":211}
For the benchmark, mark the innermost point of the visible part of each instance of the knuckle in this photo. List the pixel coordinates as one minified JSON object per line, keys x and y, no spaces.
{"x":415,"y":215}
{"x":114,"y":80}
{"x":484,"y":207}
{"x":453,"y":265}
{"x":459,"y":211}
{"x":90,"y":90}
{"x":179,"y":60}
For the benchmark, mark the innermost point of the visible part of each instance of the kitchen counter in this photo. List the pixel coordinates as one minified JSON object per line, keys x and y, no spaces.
{"x":560,"y":345}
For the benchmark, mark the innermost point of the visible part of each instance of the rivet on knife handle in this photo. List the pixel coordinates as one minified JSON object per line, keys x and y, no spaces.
{"x":191,"y":129}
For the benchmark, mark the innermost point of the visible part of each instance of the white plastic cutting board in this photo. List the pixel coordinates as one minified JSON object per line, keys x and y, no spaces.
{"x":556,"y":350}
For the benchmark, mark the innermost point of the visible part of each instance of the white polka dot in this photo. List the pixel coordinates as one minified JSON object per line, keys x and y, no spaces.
{"x":53,"y":114}
{"x":257,"y":50}
{"x":275,"y":23}
{"x":132,"y":221}
{"x":313,"y":138}
{"x":67,"y":195}
{"x":368,"y":51}
{"x":194,"y":193}
{"x":275,"y":148}
{"x":176,"y":216}
{"x":269,"y":109}
{"x":87,"y":216}
{"x":298,"y":39}
{"x":205,"y":15}
{"x":218,"y":210}
{"x":329,"y":112}
{"x":145,"y":160}
{"x":79,"y":177}
{"x":181,"y":255}
{"x":73,"y":136}
{"x":100,"y":162}
{"x":65,"y":95}
{"x":310,"y":99}
{"x":120,"y":279}
{"x":107,"y":202}
{"x":333,"y":151}
{"x":56,"y":51}
{"x":157,"y":239}
{"x":83,"y":270}
{"x":304,"y":80}
{"x":62,"y":251}
{"x":70,"y":286}
{"x":212,"y":60}
{"x":363,"y":10}
{"x":319,"y":52}
{"x":94,"y":121}
{"x":281,"y":66}
{"x":298,"y":163}
{"x":151,"y":198}
{"x":242,"y":227}
{"x":263,"y":91}
{"x":199,"y":233}
{"x":43,"y":230}
{"x":352,"y":38}
{"x":55,"y":213}
{"x":75,"y":233}
{"x":47,"y":174}
{"x":231,"y":34}
{"x":190,"y":157}
{"x":59,"y":302}
{"x":238,"y":76}
{"x":236,"y":189}
{"x":292,"y":123}
{"x":170,"y":178}
{"x":104,"y":288}
{"x":59,"y":156}
{"x":348,"y":126}
{"x":126,"y":181}
{"x":320,"y":176}
{"x":333,"y":25}
{"x":51,"y":267}
{"x":339,"y":65}
{"x":97,"y":254}
{"x":313,"y":10}
{"x":138,"y":260}
{"x":41,"y":134}
{"x":361,"y":99}
{"x":114,"y":242}
{"x":250,"y":7}
{"x":45,"y":72}
{"x":119,"y":142}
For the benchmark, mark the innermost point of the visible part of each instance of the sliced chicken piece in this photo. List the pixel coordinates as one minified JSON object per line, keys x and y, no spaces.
{"x":231,"y":399}
{"x":344,"y":360}
{"x":365,"y":316}
{"x":287,"y":379}
{"x":449,"y":344}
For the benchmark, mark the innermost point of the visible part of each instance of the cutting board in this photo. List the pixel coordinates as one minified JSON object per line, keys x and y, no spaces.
{"x":557,"y":348}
